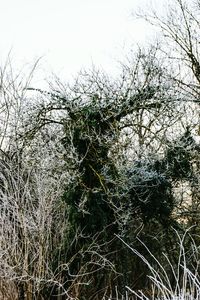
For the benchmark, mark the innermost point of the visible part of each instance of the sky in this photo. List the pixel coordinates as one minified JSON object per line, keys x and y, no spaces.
{"x":70,"y":35}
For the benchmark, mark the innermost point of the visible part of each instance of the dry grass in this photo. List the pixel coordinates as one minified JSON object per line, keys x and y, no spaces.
{"x":8,"y":290}
{"x":184,"y":275}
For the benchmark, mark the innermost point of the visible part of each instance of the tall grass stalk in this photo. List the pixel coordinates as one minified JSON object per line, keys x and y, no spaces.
{"x":169,"y":281}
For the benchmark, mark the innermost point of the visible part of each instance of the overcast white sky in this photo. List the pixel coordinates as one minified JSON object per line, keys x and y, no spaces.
{"x":70,"y":34}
